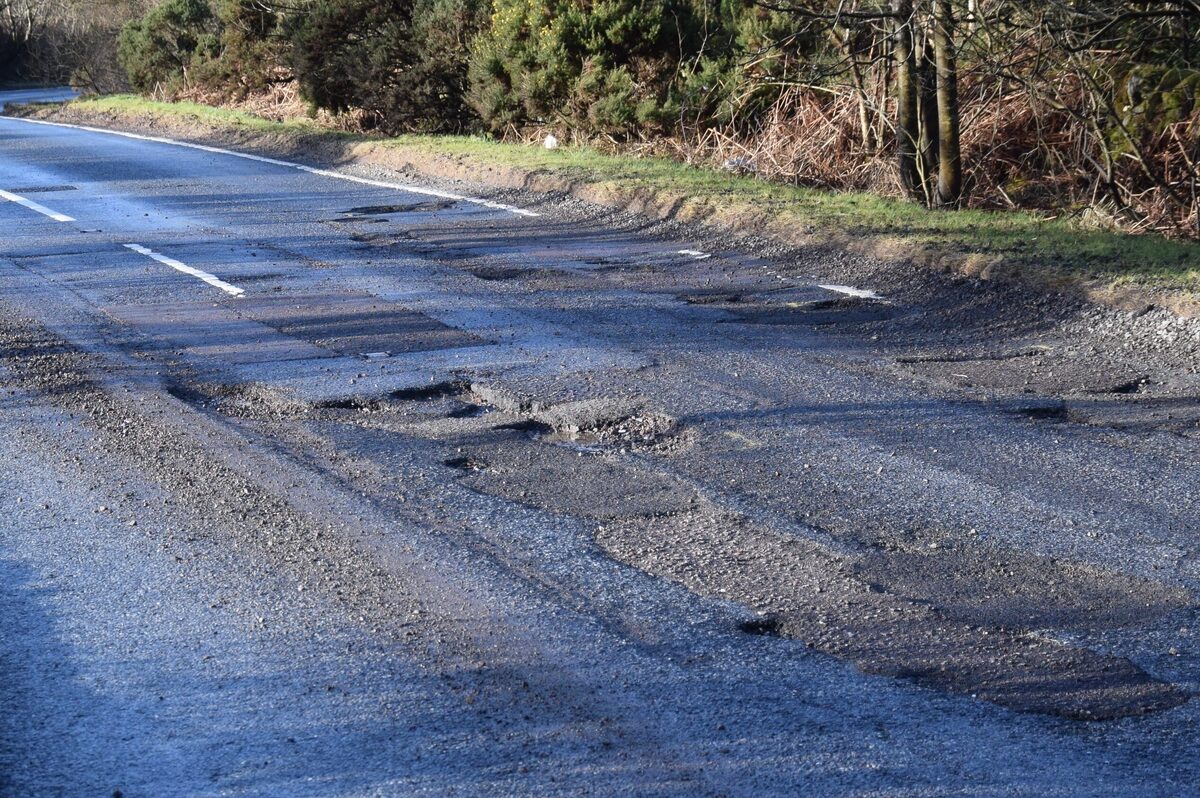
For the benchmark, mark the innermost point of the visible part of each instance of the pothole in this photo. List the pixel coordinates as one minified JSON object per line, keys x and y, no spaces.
{"x":1135,"y":385}
{"x":357,"y":220}
{"x":533,"y":428}
{"x":1042,"y":411}
{"x":245,"y":401}
{"x":435,"y":390}
{"x":815,"y":313}
{"x":468,"y":410}
{"x":346,"y":403}
{"x":1042,"y":372}
{"x":763,"y":625}
{"x":566,"y":481}
{"x":465,"y":463}
{"x":411,"y":207}
{"x":498,"y":273}
{"x":611,"y":423}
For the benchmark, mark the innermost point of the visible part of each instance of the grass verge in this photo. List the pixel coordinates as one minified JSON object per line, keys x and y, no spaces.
{"x":1110,"y":266}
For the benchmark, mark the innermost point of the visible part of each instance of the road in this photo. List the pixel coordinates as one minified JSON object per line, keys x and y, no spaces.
{"x":332,"y":483}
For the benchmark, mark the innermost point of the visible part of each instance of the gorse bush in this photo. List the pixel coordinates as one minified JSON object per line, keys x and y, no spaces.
{"x":617,"y":67}
{"x":610,"y":66}
{"x":403,"y":62}
{"x":158,"y":49}
{"x":250,"y":50}
{"x":234,"y":46}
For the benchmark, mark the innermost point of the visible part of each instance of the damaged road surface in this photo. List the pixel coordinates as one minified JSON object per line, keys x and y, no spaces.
{"x":322,"y":487}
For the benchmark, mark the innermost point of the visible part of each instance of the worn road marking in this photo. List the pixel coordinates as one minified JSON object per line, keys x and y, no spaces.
{"x":695,"y":253}
{"x":431,"y":192}
{"x":861,"y":293}
{"x":33,"y":206}
{"x":216,"y":282}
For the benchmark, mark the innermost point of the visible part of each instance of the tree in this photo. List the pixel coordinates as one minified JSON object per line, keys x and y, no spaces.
{"x":949,"y":179}
{"x":922,"y":36}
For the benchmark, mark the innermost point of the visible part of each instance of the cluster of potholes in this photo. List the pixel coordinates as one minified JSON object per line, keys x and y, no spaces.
{"x":1047,"y":385}
{"x":589,"y":425}
{"x":966,"y":622}
{"x":1038,"y":384}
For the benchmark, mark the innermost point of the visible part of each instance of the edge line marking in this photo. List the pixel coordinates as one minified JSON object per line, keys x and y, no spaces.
{"x":430,"y":192}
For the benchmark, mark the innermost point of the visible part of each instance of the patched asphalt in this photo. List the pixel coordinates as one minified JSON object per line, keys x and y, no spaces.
{"x":455,"y":501}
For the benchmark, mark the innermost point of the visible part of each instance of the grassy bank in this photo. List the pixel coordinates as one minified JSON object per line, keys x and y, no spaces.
{"x":1058,"y":252}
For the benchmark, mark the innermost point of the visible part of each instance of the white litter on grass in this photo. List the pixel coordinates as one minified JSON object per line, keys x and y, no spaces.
{"x":850,"y":290}
{"x":430,"y":192}
{"x":212,"y":280}
{"x":550,"y":142}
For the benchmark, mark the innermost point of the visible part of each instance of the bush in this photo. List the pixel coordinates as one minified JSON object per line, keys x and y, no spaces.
{"x":235,"y":49}
{"x":252,"y":50}
{"x":158,"y":49}
{"x":617,"y":67}
{"x":401,"y":61}
{"x":602,"y":66}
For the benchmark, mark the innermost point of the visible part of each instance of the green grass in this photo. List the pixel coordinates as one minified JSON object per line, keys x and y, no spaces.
{"x":1059,"y":247}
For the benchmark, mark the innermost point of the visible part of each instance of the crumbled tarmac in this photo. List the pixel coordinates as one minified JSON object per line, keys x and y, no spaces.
{"x":979,"y":647}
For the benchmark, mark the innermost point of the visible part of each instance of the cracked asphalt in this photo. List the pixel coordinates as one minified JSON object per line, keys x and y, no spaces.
{"x":325,"y":487}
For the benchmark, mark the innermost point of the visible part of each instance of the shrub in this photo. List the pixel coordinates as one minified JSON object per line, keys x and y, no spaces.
{"x":403,"y":62}
{"x":617,"y":67}
{"x":603,"y":66}
{"x":159,"y":48}
{"x":252,"y":49}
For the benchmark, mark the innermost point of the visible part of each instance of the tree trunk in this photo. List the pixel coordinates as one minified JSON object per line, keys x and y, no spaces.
{"x":864,"y":114}
{"x":928,"y":150}
{"x":949,"y":182}
{"x":907,"y":125}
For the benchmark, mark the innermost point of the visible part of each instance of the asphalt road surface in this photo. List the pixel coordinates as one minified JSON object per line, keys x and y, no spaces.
{"x":330,"y":483}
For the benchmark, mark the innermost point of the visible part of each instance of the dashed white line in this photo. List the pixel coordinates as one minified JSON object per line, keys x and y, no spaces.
{"x":431,"y":192}
{"x":34,"y":206}
{"x":849,"y":290}
{"x":212,"y":280}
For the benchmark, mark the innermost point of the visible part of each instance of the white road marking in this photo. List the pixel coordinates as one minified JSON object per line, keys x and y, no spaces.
{"x":291,"y":165}
{"x":695,"y":253}
{"x":33,"y":206}
{"x":861,"y":293}
{"x":216,"y":282}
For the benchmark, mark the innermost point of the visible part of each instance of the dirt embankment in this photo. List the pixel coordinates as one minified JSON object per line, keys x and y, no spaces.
{"x":724,"y":215}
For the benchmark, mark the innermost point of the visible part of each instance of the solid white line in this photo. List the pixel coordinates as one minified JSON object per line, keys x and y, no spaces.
{"x":861,"y":293}
{"x":33,"y":206}
{"x":290,"y":165}
{"x":216,"y":282}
